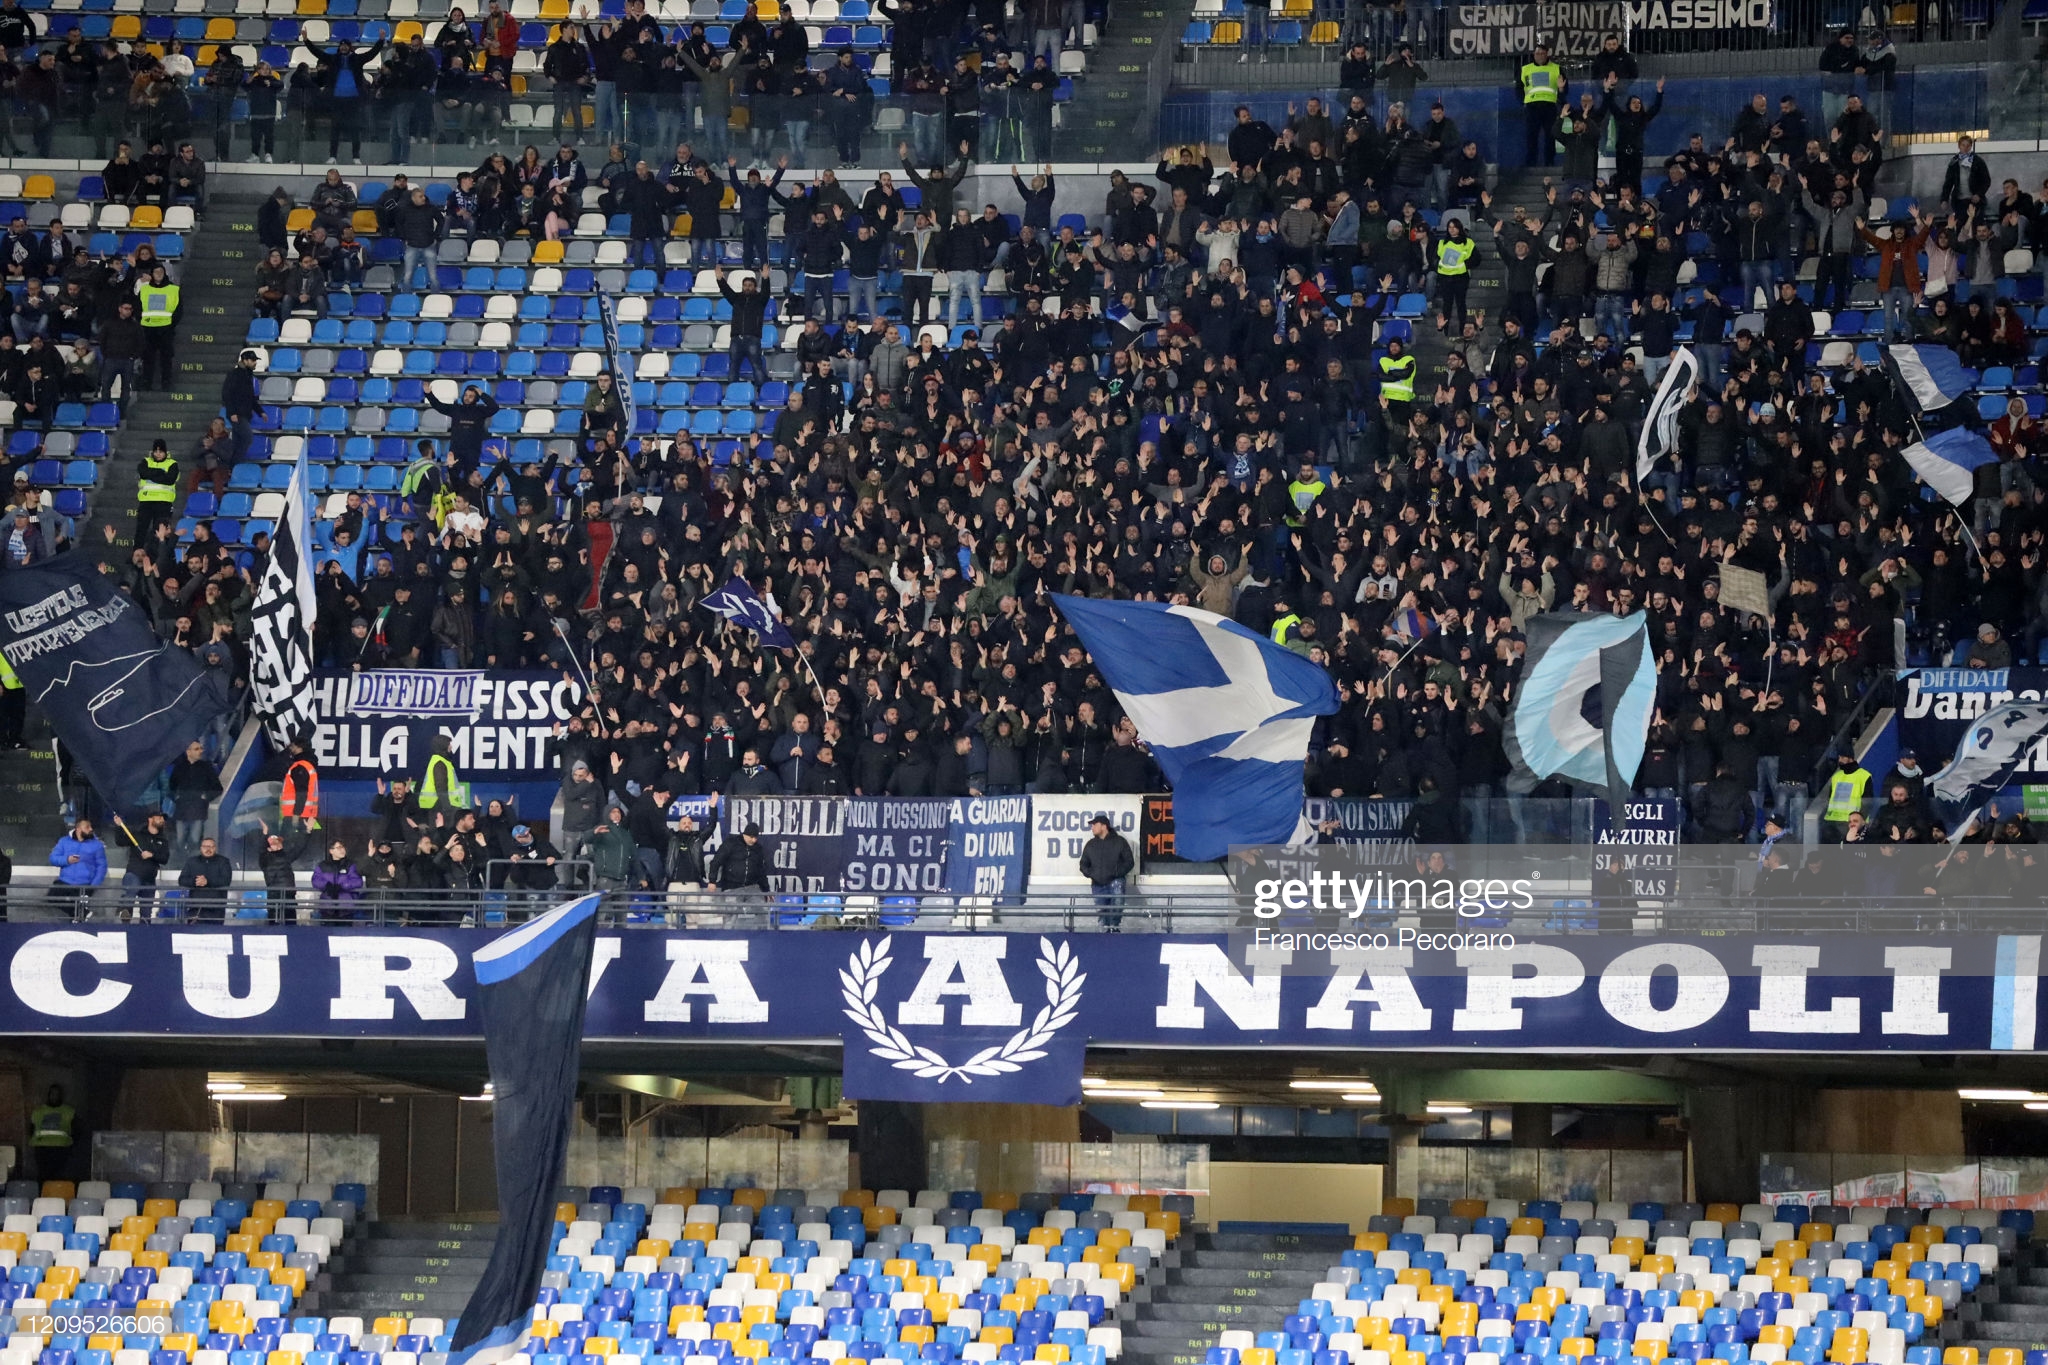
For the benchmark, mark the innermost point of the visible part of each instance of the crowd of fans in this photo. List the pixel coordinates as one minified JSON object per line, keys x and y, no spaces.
{"x":1186,"y":401}
{"x":956,"y":71}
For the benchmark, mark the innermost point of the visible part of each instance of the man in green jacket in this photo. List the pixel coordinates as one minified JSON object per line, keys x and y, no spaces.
{"x":610,"y":848}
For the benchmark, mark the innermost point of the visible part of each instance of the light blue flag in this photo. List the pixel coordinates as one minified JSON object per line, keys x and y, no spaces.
{"x":1551,"y":733}
{"x":1948,"y":460}
{"x":1991,"y":752}
{"x":1930,"y":376}
{"x":1228,"y":715}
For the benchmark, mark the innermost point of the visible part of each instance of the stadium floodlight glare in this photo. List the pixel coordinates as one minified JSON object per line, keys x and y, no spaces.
{"x":217,"y":1087}
{"x":1180,"y":1104}
{"x":2000,"y":1094}
{"x":1120,"y":1092}
{"x":1445,"y":1107}
{"x":1353,"y":1085}
{"x":251,"y":1096}
{"x":1362,"y":1097}
{"x":2036,"y":1105}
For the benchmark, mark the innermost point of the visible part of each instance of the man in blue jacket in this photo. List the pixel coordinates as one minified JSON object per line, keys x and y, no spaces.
{"x":81,"y":862}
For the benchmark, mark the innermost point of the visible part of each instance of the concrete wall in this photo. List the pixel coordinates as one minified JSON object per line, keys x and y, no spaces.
{"x":1302,"y":1192}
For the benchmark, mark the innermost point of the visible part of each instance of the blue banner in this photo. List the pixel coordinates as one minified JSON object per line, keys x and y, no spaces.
{"x":987,"y":845}
{"x":1388,"y":989}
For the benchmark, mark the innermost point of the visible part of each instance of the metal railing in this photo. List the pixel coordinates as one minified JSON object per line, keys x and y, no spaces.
{"x":1193,"y":912}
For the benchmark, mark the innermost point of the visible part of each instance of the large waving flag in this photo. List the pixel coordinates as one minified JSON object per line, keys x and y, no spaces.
{"x":1948,"y":461}
{"x":1930,"y":376}
{"x":1227,"y":713}
{"x":531,"y":987}
{"x":741,"y":605}
{"x":281,"y":638}
{"x":1660,"y":426}
{"x":1991,"y":753}
{"x":1560,"y":727}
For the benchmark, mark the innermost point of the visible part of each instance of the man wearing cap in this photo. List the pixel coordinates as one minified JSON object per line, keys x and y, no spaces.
{"x":1106,"y":860}
{"x":533,"y":865}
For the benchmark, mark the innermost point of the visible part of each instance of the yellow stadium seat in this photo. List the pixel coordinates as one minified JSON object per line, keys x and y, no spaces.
{"x":917,"y":1334}
{"x":1258,"y":1355}
{"x":1406,"y":1358}
{"x":1771,"y":1266}
{"x":899,"y":1267}
{"x":188,"y":1342}
{"x":1657,"y":1265}
{"x":912,"y":1284}
{"x":2004,"y":1355}
{"x":265,"y":1260}
{"x":774,"y":1280}
{"x":16,"y":1242}
{"x":1398,"y":1206}
{"x":605,"y":1346}
{"x":1032,"y":1286}
{"x":272,"y":1209}
{"x":881,"y":1215}
{"x":1116,"y":1239}
{"x":1699,"y":1300}
{"x":1053,"y":1352}
{"x":40,"y":187}
{"x":1006,"y":1202}
{"x":125,"y":1241}
{"x":752,"y":1198}
{"x":1848,"y":1346}
{"x":56,"y":1189}
{"x":240,"y":1242}
{"x":1910,"y":1253}
{"x":678,"y":1194}
{"x":1789,"y":1251}
{"x":757,"y":1313}
{"x":1631,"y":1247}
{"x":1810,"y":1233}
{"x":128,"y":27}
{"x":105,"y":1341}
{"x":1959,"y":1355}
{"x":554,"y":10}
{"x":1169,"y":1223}
{"x":1369,"y":1241}
{"x":757,"y":1265}
{"x":565,"y":1212}
{"x":1042,"y":1237}
{"x":1927,"y":1306}
{"x":546,"y":1328}
{"x":1414,"y":1275}
{"x":1438,"y":1294}
{"x":389,"y":1327}
{"x":987,"y":1253}
{"x":692,"y":1232}
{"x":657,"y":1247}
{"x":996,"y":1336}
{"x":312,"y":9}
{"x":1723,"y":1213}
{"x":158,"y":1208}
{"x":61,"y":1277}
{"x":858,"y":1199}
{"x":141,"y":1224}
{"x":1139,"y":1203}
{"x":1790,"y":1284}
{"x":1771,"y":1334}
{"x":1532,"y":1312}
{"x":1123,"y":1273}
{"x":941,"y":1306}
{"x":1576,"y":1347}
{"x":283,"y":1357}
{"x":407,"y":31}
{"x":1651,"y":1350}
{"x":158,"y":1261}
{"x":727,"y":1331}
{"x":750,"y":1349}
{"x":767,"y":11}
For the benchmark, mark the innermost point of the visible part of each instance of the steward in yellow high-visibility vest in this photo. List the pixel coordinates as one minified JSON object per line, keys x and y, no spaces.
{"x":441,"y":782}
{"x":158,"y":298}
{"x":1846,"y":786}
{"x":1542,"y":85}
{"x":13,"y":707}
{"x":1303,"y":492}
{"x":50,"y":1138}
{"x":1454,"y":252}
{"x":156,"y":489}
{"x":1397,"y":380}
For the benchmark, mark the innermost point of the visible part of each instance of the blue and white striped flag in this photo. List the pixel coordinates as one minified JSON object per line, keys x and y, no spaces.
{"x":532,"y":984}
{"x":1226,"y":712}
{"x":1930,"y":376}
{"x":1660,"y":426}
{"x":1948,"y":461}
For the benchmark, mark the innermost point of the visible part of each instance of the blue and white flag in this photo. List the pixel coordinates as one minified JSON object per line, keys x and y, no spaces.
{"x":1583,"y":712}
{"x":281,"y":626}
{"x":1948,"y":460}
{"x":1227,"y":713}
{"x":1930,"y":376}
{"x":532,"y":984}
{"x":1660,"y":427}
{"x":742,"y":606}
{"x":1991,"y":752}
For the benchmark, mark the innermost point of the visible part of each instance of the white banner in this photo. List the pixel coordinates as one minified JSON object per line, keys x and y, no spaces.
{"x":1059,"y":831}
{"x":414,"y":692}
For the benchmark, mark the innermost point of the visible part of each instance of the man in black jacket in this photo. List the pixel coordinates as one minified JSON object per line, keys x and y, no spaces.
{"x":238,"y":399}
{"x":1106,"y":860}
{"x":469,"y":423}
{"x":742,"y":864}
{"x":206,"y":879}
{"x":344,"y":84}
{"x":533,"y":866}
{"x":749,"y":313}
{"x":149,"y":850}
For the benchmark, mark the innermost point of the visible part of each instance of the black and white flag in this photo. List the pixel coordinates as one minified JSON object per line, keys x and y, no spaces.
{"x":1660,"y":428}
{"x":281,"y":647}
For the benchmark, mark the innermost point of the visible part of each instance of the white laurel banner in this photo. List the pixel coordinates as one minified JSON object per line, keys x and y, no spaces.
{"x":862,"y":977}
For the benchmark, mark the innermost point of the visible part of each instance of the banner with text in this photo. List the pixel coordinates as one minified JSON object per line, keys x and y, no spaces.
{"x":1060,"y":829}
{"x":1941,"y":703}
{"x":501,"y":725}
{"x":1836,"y":992}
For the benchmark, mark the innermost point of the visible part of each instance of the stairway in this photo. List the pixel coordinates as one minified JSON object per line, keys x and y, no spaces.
{"x":1486,"y":294}
{"x":2008,"y":1310}
{"x":216,"y":284}
{"x":1224,"y":1282}
{"x":1113,"y":114}
{"x":408,"y":1269}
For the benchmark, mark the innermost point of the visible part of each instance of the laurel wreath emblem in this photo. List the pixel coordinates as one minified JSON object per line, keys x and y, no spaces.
{"x":863,"y":974}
